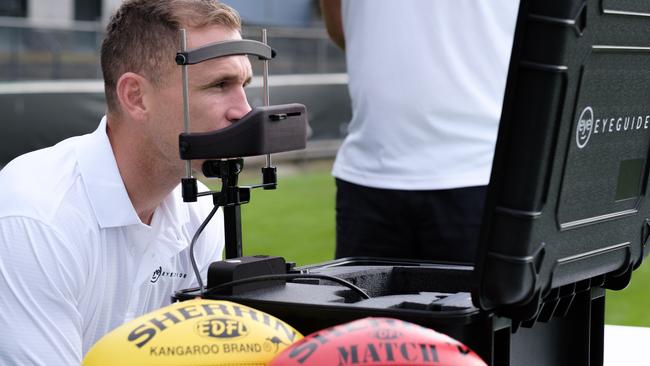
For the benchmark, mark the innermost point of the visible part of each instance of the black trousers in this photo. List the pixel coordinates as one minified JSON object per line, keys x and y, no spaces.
{"x":441,"y":225}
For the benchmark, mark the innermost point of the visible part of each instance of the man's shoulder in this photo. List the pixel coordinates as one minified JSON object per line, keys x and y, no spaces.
{"x":35,"y":184}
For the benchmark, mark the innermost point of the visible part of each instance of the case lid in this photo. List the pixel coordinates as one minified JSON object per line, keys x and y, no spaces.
{"x":567,"y":207}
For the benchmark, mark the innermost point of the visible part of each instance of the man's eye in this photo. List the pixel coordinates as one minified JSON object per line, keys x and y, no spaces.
{"x":220,"y":85}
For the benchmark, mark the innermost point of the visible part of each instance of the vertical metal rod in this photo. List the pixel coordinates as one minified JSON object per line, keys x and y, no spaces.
{"x":265,"y":89}
{"x":186,"y":101}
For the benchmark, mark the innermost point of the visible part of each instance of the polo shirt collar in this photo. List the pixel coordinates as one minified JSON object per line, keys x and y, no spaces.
{"x":101,"y":177}
{"x":105,"y":188}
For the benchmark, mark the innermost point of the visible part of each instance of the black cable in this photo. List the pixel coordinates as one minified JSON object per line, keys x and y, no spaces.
{"x":195,"y":267}
{"x":340,"y":281}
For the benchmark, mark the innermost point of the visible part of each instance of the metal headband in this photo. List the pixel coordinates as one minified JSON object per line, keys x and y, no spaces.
{"x":225,"y":48}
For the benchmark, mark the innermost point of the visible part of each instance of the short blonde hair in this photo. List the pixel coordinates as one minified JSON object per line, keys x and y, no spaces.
{"x":143,"y":36}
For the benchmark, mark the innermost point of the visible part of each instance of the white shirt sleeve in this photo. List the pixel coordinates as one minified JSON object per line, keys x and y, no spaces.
{"x":40,"y":278}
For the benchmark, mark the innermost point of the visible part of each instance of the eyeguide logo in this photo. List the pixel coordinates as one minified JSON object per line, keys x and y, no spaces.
{"x":156,"y":274}
{"x":585,"y":127}
{"x":221,"y":328}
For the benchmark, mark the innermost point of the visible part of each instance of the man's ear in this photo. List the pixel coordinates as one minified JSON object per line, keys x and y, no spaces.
{"x":130,"y":93}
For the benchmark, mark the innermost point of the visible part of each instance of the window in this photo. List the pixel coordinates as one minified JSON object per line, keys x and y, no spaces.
{"x":13,"y":8}
{"x":88,"y":10}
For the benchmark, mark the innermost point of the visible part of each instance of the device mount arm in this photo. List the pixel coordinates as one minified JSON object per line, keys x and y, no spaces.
{"x":225,"y":48}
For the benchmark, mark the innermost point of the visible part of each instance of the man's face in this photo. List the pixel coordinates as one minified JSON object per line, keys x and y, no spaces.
{"x":216,"y":95}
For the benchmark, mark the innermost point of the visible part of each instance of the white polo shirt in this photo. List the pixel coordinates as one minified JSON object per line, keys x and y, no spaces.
{"x":426,"y":81}
{"x":75,"y":259}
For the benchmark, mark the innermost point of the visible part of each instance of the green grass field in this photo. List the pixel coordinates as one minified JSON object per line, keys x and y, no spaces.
{"x":296,"y":221}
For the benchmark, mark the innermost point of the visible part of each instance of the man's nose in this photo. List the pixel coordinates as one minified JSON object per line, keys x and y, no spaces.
{"x":239,"y":106}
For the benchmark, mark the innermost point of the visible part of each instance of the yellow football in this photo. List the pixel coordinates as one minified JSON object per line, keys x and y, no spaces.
{"x":195,"y":332}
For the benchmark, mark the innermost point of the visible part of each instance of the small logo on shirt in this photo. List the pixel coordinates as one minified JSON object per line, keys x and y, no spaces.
{"x":160,"y":273}
{"x":156,"y":275}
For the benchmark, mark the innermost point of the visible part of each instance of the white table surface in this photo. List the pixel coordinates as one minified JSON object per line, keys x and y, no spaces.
{"x":626,"y":346}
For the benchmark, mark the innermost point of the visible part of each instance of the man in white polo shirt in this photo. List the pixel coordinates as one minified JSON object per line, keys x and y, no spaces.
{"x":93,"y":231}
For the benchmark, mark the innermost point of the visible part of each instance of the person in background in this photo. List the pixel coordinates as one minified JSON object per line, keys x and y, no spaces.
{"x":427,"y":80}
{"x":93,"y":231}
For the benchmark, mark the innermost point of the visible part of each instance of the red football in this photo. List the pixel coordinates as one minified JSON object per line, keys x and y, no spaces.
{"x":378,"y":341}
